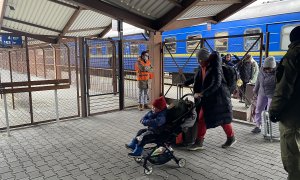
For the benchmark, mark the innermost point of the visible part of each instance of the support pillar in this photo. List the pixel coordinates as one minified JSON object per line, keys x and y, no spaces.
{"x":156,"y":57}
{"x":83,"y":79}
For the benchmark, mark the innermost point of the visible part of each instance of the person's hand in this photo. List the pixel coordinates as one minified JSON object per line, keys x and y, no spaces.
{"x":185,"y":130}
{"x":198,"y":95}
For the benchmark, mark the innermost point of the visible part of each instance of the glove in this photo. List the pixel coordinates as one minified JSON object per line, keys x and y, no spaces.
{"x":274,"y":117}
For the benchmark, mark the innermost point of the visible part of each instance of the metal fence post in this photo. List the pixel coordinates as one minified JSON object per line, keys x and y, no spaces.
{"x":56,"y":105}
{"x":6,"y":115}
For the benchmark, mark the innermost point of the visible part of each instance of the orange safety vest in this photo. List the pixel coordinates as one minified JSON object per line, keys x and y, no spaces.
{"x":142,"y":75}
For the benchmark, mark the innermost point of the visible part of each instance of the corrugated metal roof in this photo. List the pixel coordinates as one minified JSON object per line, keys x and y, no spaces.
{"x":40,"y":12}
{"x":84,"y":33}
{"x":90,"y":19}
{"x":152,"y":9}
{"x":204,"y":11}
{"x":56,"y":14}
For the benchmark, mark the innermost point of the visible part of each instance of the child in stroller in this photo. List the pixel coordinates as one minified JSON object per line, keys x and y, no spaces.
{"x":179,"y":116}
{"x":154,"y":119}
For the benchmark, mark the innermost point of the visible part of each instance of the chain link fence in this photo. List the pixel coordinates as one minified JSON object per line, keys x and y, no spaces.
{"x":42,"y":62}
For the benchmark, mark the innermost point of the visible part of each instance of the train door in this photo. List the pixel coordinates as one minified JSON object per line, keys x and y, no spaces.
{"x":279,"y":38}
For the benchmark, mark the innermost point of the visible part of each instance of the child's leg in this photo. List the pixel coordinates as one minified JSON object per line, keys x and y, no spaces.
{"x":147,"y":138}
{"x":134,"y":141}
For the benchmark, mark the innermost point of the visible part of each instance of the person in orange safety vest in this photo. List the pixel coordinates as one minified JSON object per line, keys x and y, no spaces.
{"x":143,"y":70}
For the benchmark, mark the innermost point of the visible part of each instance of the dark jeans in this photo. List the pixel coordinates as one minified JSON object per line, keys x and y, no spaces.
{"x":242,"y":91}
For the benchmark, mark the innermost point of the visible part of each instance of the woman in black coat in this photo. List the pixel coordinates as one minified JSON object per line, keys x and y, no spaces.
{"x":216,"y":108}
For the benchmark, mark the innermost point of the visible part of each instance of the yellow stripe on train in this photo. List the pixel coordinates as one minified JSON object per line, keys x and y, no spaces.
{"x":271,"y":53}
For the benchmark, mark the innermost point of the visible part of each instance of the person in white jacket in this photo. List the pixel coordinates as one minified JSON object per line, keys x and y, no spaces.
{"x":255,"y":70}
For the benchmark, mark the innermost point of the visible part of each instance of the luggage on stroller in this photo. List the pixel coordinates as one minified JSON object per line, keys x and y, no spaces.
{"x":189,"y":133}
{"x":162,"y":153}
{"x":270,"y":130}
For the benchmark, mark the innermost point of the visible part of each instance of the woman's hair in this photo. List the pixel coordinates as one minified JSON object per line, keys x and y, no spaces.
{"x":143,"y":53}
{"x":214,"y":59}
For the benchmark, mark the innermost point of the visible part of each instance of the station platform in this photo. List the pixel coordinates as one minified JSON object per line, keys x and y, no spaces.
{"x":93,"y":148}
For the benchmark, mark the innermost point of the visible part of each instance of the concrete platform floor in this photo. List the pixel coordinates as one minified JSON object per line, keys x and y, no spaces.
{"x":93,"y":148}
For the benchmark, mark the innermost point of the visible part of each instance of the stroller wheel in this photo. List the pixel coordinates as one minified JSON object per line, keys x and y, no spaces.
{"x":138,"y":159}
{"x":148,"y":172}
{"x":181,"y":163}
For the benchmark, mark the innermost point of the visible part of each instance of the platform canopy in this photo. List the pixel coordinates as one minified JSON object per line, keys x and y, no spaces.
{"x":51,"y":20}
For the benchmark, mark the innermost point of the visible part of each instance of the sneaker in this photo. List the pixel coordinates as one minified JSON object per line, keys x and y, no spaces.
{"x":198,"y":145}
{"x":230,"y":142}
{"x":256,"y":130}
{"x":146,"y":106}
{"x":137,"y":152}
{"x":127,"y":146}
{"x":141,"y":107}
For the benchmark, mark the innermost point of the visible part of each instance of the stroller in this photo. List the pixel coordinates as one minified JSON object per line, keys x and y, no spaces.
{"x":162,"y":153}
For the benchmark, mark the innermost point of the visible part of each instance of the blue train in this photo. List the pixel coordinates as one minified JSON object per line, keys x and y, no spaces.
{"x":101,"y":51}
{"x":276,"y":17}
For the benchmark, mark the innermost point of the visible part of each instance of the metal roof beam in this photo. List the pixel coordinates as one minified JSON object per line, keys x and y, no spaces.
{"x":187,"y":22}
{"x":108,"y":28}
{"x":65,"y":4}
{"x":87,"y":29}
{"x":175,"y":13}
{"x":175,"y":2}
{"x":70,"y":22}
{"x":216,"y":2}
{"x":31,"y":24}
{"x":3,"y":12}
{"x":232,"y":9}
{"x":35,"y":36}
{"x":117,"y":13}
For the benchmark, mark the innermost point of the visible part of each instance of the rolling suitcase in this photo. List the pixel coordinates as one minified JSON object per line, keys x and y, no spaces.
{"x":270,"y":130}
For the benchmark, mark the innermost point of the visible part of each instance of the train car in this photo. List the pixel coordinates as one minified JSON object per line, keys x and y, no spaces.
{"x":100,"y":51}
{"x":276,"y":17}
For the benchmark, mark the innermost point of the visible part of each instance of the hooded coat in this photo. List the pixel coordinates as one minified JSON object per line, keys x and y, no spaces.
{"x":216,"y":101}
{"x":265,"y":84}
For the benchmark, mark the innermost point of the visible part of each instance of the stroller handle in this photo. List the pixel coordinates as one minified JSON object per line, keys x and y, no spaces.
{"x":189,"y":94}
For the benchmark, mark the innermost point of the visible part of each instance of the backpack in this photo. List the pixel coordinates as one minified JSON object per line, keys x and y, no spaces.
{"x":230,"y":76}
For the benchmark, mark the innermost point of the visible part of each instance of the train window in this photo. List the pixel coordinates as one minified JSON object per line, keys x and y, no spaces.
{"x":250,"y":40}
{"x":95,"y":51}
{"x":191,"y":44}
{"x":170,"y":44}
{"x":221,"y":44}
{"x":134,"y":49}
{"x":285,"y":36}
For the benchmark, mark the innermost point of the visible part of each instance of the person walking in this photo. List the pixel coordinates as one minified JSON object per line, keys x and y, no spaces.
{"x":216,"y":108}
{"x":248,"y":70}
{"x":264,"y":90}
{"x":143,"y":70}
{"x":285,"y":106}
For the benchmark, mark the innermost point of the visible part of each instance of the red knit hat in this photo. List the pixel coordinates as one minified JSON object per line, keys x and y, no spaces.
{"x":160,"y":103}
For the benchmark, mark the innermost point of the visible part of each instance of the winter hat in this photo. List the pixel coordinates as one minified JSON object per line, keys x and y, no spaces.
{"x":203,"y":54}
{"x":270,"y":62}
{"x":160,"y":103}
{"x":295,"y":34}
